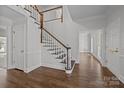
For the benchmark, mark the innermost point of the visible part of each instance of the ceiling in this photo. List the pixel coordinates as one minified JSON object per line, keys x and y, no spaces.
{"x":45,"y":7}
{"x":84,"y":11}
{"x":89,"y":16}
{"x":10,"y":14}
{"x":81,"y":11}
{"x":1,"y":29}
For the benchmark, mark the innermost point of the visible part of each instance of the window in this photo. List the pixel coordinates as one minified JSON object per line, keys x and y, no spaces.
{"x":3,"y":44}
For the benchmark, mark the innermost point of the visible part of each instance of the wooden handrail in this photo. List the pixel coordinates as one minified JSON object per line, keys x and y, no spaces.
{"x":37,"y":9}
{"x":56,"y":39}
{"x":51,"y":9}
{"x":55,"y":8}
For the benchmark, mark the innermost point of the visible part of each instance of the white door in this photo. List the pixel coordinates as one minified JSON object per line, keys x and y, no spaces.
{"x":18,"y":47}
{"x":113,"y":46}
{"x":91,"y":44}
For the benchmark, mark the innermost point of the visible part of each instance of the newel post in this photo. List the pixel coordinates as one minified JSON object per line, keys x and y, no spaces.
{"x":68,"y":61}
{"x":41,"y":26}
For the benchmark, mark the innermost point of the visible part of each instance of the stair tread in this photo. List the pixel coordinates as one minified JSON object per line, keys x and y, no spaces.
{"x":50,"y":45}
{"x":60,"y":57}
{"x":47,"y":39}
{"x":63,"y":62}
{"x":58,"y":52}
{"x":48,"y":42}
{"x":53,"y":49}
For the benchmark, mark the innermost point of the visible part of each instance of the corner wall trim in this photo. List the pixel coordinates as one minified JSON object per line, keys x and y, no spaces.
{"x":32,"y":68}
{"x":100,"y":60}
{"x":118,"y":75}
{"x":70,"y":71}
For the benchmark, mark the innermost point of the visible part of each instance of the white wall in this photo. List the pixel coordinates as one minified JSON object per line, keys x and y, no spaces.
{"x":122,"y":42}
{"x":115,"y":22}
{"x":3,"y":33}
{"x":113,"y":14}
{"x":50,"y":61}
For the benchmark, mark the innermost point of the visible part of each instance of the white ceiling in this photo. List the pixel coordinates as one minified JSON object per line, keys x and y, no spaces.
{"x":1,"y":29}
{"x":10,"y":14}
{"x":89,"y":16}
{"x":83,"y":11}
{"x":45,"y":7}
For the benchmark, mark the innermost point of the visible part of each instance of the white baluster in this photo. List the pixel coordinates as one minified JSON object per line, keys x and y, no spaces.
{"x":69,"y":58}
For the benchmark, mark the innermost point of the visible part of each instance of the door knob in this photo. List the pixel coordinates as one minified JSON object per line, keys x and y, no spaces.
{"x":22,"y":51}
{"x":116,"y":50}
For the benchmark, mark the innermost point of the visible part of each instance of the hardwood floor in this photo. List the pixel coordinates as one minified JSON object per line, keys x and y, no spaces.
{"x":88,"y":74}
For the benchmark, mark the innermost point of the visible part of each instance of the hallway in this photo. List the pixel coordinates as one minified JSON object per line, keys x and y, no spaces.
{"x":88,"y":74}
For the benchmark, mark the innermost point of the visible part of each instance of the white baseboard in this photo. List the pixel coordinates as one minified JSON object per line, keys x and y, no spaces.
{"x":70,"y":71}
{"x":32,"y":68}
{"x":100,"y":60}
{"x":121,"y":78}
{"x":118,"y":75}
{"x":10,"y":67}
{"x":58,"y":67}
{"x":85,"y":51}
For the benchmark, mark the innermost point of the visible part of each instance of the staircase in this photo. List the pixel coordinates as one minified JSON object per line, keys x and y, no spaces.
{"x":55,"y":47}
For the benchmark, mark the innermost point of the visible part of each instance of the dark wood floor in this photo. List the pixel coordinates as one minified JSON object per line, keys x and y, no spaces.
{"x":88,"y":74}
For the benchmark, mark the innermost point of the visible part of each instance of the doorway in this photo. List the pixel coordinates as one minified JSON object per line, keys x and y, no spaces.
{"x":18,"y":46}
{"x":3,"y":49}
{"x":15,"y":25}
{"x":84,"y":42}
{"x":91,"y":44}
